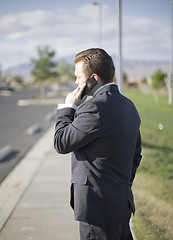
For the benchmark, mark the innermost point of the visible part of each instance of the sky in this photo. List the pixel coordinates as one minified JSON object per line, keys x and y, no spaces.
{"x":69,"y":27}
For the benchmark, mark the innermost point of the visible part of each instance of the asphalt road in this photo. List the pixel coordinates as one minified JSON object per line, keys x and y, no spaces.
{"x":15,"y":120}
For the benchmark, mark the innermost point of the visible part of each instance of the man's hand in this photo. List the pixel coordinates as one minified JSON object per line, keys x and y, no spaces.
{"x":75,"y":96}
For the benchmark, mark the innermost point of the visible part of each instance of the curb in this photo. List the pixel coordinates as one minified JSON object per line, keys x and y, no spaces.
{"x":5,"y":151}
{"x":17,"y":182}
{"x":28,"y":102}
{"x":33,"y":129}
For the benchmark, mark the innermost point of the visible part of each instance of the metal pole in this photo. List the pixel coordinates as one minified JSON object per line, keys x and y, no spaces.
{"x":171,"y":60}
{"x":119,"y":62}
{"x":99,"y":23}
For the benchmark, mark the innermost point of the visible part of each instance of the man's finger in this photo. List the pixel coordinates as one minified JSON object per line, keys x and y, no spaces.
{"x":82,"y":88}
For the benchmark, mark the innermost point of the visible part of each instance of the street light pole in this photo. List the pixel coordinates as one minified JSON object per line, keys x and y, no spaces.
{"x":171,"y":60}
{"x":99,"y":23}
{"x":119,"y":62}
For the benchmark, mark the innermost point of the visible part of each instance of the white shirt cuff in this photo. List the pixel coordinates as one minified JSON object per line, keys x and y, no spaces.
{"x":69,"y":105}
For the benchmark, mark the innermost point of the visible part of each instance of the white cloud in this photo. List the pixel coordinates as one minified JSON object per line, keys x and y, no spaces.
{"x":146,"y":38}
{"x":69,"y":31}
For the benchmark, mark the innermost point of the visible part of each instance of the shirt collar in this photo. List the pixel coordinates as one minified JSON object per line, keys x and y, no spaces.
{"x":107,"y":84}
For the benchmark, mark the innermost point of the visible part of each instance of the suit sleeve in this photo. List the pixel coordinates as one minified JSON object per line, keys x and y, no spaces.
{"x":137,"y":158}
{"x":75,"y":130}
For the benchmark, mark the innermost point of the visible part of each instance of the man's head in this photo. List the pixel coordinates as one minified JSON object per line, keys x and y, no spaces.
{"x":96,"y":61}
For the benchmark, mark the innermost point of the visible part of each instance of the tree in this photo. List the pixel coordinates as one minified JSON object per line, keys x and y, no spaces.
{"x":125,"y":77}
{"x":65,"y":71}
{"x":3,"y":78}
{"x":18,"y":81}
{"x":0,"y":75}
{"x":144,"y":80}
{"x":44,"y":67}
{"x":158,"y":79}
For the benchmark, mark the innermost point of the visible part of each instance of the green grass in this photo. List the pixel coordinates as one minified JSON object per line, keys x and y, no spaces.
{"x":153,"y":186}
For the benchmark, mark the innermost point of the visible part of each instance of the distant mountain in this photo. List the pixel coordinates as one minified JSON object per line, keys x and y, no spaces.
{"x":23,"y":70}
{"x":140,"y":69}
{"x":133,"y":68}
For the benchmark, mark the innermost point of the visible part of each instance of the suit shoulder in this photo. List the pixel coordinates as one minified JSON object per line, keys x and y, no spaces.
{"x":132,"y":106}
{"x":88,"y":106}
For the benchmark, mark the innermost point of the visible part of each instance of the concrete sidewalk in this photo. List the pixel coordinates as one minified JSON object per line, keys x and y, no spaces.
{"x":34,"y":198}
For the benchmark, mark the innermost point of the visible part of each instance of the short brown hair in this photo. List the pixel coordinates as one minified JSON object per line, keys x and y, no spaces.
{"x":97,"y":61}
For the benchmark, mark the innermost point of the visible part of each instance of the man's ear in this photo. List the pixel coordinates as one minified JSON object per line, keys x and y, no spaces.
{"x":95,"y":76}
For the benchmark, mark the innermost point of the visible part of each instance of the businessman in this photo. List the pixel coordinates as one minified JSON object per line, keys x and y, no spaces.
{"x":103,"y":134}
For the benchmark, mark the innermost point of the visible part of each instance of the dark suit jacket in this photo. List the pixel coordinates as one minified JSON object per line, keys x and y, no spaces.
{"x":104,"y":138}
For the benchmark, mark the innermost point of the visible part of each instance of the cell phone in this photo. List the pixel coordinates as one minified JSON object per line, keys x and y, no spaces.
{"x":91,"y":82}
